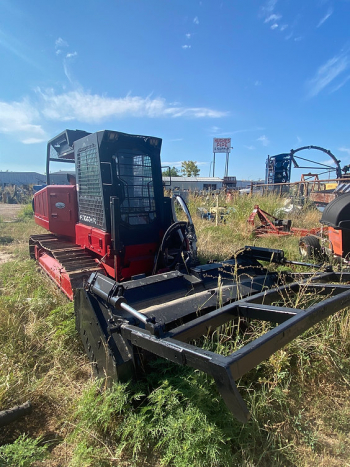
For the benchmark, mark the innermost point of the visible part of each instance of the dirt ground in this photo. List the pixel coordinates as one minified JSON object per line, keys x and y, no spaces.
{"x":4,"y":257}
{"x":8,"y":212}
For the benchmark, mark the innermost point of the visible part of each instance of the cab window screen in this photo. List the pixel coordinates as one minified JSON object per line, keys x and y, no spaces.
{"x":135,"y":172}
{"x":91,"y":210}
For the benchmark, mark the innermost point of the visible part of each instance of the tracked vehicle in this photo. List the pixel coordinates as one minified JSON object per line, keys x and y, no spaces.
{"x":117,"y":248}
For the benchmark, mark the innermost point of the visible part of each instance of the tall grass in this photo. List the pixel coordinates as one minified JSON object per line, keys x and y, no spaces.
{"x":173,"y":416}
{"x":222,"y":241}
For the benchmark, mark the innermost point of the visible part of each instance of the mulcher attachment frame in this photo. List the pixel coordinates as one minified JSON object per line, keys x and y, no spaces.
{"x":124,"y":324}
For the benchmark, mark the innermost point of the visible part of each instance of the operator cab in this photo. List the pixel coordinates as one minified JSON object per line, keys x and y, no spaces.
{"x":112,"y":165}
{"x":116,"y":209}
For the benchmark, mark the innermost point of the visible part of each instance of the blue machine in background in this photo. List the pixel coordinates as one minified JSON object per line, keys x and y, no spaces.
{"x":278,"y":168}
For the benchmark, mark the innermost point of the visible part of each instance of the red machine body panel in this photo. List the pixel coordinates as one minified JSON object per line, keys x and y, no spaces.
{"x":336,"y":239}
{"x":93,"y":239}
{"x":138,"y":259}
{"x":134,"y":260}
{"x":56,"y":209}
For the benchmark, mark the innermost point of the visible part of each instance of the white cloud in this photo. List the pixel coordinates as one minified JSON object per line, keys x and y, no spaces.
{"x":32,"y":140}
{"x":289,"y":36}
{"x":196,"y":20}
{"x":251,"y":148}
{"x":326,"y":162}
{"x":299,"y":139}
{"x":340,"y":85}
{"x":283,"y":27}
{"x":171,"y":164}
{"x":246,"y":130}
{"x":264,"y":140}
{"x":85,"y":107}
{"x":194,"y":112}
{"x":20,"y":118}
{"x":272,"y":18}
{"x":59,"y":43}
{"x":186,"y":46}
{"x":298,"y":39}
{"x":21,"y":49}
{"x":215,"y":129}
{"x":327,"y":15}
{"x":188,"y":35}
{"x":223,"y":134}
{"x":257,"y":83}
{"x":269,"y":6}
{"x":328,"y":72}
{"x":347,"y":150}
{"x":24,"y":120}
{"x":66,"y":71}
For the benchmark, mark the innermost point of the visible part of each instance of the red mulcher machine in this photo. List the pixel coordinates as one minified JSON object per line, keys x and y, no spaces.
{"x":333,"y":241}
{"x":116,"y":247}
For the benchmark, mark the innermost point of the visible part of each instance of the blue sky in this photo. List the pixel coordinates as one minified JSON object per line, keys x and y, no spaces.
{"x":272,"y":75}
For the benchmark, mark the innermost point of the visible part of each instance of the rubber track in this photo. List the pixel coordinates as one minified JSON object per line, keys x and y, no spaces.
{"x":74,"y":259}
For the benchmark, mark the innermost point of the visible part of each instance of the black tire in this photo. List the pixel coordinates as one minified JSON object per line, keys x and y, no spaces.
{"x":309,"y":247}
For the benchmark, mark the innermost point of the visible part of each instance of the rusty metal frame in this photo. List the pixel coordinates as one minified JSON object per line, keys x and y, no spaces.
{"x":271,"y":225}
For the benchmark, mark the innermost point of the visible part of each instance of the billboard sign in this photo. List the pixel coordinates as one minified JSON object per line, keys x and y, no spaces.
{"x":222,"y":145}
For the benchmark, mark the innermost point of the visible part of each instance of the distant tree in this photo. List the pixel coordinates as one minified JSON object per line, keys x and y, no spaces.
{"x":189,"y":169}
{"x":171,"y":172}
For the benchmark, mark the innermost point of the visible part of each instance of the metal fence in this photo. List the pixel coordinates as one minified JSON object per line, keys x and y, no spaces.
{"x":322,"y":191}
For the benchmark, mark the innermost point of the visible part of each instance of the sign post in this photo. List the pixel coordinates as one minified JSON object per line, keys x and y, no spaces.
{"x":222,"y":145}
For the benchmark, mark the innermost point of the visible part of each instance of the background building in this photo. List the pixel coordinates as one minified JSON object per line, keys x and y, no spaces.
{"x":21,"y":178}
{"x":193,"y":183}
{"x":206,"y":183}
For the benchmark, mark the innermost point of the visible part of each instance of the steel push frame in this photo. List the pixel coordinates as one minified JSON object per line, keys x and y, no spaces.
{"x":226,"y":370}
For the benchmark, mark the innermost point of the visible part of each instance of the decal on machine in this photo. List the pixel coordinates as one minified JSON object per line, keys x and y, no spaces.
{"x":91,"y":220}
{"x":60,"y":205}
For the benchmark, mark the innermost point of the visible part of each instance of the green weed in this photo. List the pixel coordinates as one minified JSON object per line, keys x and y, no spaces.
{"x":24,"y":452}
{"x":26,"y":212}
